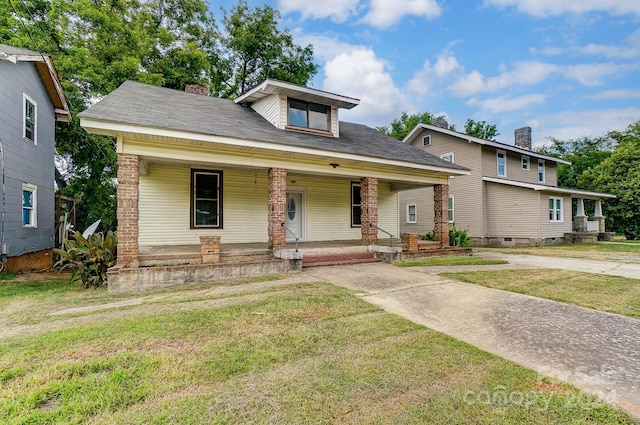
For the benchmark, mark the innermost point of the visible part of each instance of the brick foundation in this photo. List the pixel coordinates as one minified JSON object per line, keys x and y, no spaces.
{"x":127,"y":211}
{"x":441,"y":213}
{"x":210,"y":249}
{"x":277,"y":182}
{"x":31,"y":261}
{"x":369,"y":199}
{"x":410,"y":241}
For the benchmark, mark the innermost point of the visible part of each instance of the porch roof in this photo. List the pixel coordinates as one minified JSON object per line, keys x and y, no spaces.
{"x":141,"y":108}
{"x":575,"y":193}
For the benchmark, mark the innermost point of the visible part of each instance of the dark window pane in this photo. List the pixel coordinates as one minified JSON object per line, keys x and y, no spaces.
{"x":356,"y":196}
{"x":297,"y":113}
{"x":26,"y":217}
{"x":27,"y":198}
{"x":206,"y":213}
{"x":207,"y":186}
{"x":318,"y":116}
{"x":356,"y":218}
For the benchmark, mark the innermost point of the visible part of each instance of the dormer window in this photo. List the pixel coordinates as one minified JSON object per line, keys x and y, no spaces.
{"x":309,"y":115}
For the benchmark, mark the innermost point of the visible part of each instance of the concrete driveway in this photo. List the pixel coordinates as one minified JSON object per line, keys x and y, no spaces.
{"x":595,"y":351}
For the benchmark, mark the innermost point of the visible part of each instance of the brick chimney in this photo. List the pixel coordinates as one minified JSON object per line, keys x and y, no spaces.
{"x":196,"y":89}
{"x":523,"y":137}
{"x":440,"y":122}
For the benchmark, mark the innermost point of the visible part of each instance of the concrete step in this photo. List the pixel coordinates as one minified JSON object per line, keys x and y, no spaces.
{"x":339,"y":259}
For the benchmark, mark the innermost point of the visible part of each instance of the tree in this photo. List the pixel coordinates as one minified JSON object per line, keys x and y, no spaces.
{"x":253,"y":49}
{"x":481,"y":129}
{"x":401,"y":127}
{"x":619,"y":174}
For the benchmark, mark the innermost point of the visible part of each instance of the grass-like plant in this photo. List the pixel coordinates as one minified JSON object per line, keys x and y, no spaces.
{"x":89,"y":257}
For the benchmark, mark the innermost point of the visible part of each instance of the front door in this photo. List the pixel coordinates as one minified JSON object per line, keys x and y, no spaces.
{"x":295,"y":216}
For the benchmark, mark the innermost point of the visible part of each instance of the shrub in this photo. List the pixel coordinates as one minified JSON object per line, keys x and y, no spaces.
{"x":89,"y":257}
{"x":457,"y":237}
{"x":431,"y":236}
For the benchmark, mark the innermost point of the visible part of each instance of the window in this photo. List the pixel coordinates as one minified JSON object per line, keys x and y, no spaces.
{"x":451,"y":209}
{"x":555,"y":209}
{"x":502,"y":163}
{"x":29,"y":205}
{"x":206,"y":199}
{"x":541,"y":171}
{"x":426,"y":140}
{"x":356,"y":205}
{"x":447,"y":157}
{"x":412,"y":213}
{"x":30,"y":117}
{"x":308,"y":115}
{"x":525,"y":162}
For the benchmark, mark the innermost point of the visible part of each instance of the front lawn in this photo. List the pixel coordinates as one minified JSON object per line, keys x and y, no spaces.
{"x":307,"y":353}
{"x":601,"y":292}
{"x":453,"y":260}
{"x":623,"y":252}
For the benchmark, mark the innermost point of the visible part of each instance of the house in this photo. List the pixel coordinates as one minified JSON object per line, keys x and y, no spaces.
{"x":273,"y":166}
{"x":511,"y":197}
{"x":31,"y":101}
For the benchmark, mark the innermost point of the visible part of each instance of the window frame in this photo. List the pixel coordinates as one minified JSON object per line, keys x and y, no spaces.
{"x":542,"y":175}
{"x":426,"y":140}
{"x":353,"y":205}
{"x":26,"y":98}
{"x":445,"y":155}
{"x":307,"y":127}
{"x":451,"y":209}
{"x":504,"y":164}
{"x":193,"y":199}
{"x":415,"y":214}
{"x":33,"y":214}
{"x":525,"y":160}
{"x":554,"y":210}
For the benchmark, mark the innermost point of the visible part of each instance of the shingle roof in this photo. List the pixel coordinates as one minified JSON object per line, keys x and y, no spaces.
{"x":11,"y":50}
{"x":150,"y":106}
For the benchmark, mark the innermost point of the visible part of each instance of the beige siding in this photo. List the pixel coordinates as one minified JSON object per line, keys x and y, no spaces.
{"x":466,"y":190}
{"x":165,"y":208}
{"x":514,"y":167}
{"x":269,"y":108}
{"x":513,"y":212}
{"x":551,"y":229}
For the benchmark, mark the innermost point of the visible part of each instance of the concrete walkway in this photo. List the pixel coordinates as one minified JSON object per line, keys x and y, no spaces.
{"x":595,"y":351}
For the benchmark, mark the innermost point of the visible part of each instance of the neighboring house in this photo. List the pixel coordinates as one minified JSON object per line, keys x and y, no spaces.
{"x":192,"y":166}
{"x":31,"y":101}
{"x":511,"y":197}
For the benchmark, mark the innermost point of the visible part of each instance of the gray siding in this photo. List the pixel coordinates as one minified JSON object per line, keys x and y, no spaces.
{"x":24,"y":161}
{"x":466,"y":190}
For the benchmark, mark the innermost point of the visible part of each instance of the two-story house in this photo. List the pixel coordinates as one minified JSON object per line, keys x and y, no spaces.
{"x":511,"y":197}
{"x":273,"y":165}
{"x":31,"y":101}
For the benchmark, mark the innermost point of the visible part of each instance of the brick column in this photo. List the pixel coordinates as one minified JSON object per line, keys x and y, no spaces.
{"x":441,"y":213}
{"x":369,"y":202}
{"x":127,"y":211}
{"x":210,"y":249}
{"x":277,"y":208}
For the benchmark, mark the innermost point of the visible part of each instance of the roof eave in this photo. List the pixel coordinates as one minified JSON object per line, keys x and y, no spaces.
{"x":542,"y":188}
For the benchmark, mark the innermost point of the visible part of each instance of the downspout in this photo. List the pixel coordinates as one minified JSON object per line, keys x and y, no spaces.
{"x":4,"y":249}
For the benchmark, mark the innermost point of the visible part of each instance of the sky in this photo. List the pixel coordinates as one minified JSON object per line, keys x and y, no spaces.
{"x":566,"y":68}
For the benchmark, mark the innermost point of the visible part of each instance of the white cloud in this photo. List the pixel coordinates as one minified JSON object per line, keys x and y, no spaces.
{"x":384,"y":13}
{"x":324,"y":47}
{"x":547,"y":51}
{"x":592,"y":74}
{"x":504,"y":104}
{"x":610,"y":51}
{"x":336,"y":10}
{"x":523,"y":74}
{"x":360,"y":74}
{"x":544,"y":8}
{"x":616,"y":94}
{"x":425,"y":77}
{"x":573,"y":125}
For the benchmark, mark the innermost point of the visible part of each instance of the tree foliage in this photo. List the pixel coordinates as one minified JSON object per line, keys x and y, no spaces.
{"x":98,"y":44}
{"x":401,"y":127}
{"x":481,"y":129}
{"x":619,"y":174}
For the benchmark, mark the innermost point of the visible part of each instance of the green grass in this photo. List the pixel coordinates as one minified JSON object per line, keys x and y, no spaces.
{"x":449,"y":261}
{"x":624,"y":252}
{"x":308,"y":353}
{"x":607,"y":293}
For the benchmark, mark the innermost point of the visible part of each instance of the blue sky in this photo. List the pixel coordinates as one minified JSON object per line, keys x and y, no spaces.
{"x":566,"y":68}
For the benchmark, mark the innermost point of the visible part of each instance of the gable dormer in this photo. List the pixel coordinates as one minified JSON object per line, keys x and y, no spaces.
{"x":297,"y":108}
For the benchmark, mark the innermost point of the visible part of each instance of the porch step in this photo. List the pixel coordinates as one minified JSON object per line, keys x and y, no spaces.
{"x":339,"y":259}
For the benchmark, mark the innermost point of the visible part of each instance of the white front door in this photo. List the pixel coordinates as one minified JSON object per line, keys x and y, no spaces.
{"x":295,"y":216}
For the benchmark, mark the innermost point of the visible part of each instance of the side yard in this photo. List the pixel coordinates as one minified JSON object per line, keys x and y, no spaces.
{"x":258,"y":352}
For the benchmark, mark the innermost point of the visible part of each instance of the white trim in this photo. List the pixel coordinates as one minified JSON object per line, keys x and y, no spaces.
{"x":415,"y":213}
{"x":27,"y":187}
{"x":302,"y":191}
{"x":268,"y":87}
{"x":453,"y":209}
{"x":106,"y":128}
{"x":479,"y":141}
{"x":25,"y":98}
{"x":544,"y":171}
{"x":522,"y":162}
{"x":444,"y":155}
{"x":504,"y":157}
{"x":575,"y":193}
{"x":554,"y":210}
